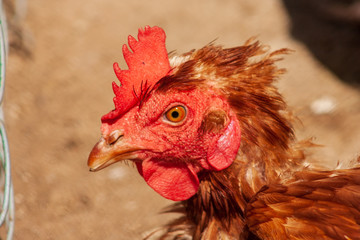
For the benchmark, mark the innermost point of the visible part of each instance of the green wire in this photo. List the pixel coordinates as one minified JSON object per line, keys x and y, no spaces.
{"x":7,"y":212}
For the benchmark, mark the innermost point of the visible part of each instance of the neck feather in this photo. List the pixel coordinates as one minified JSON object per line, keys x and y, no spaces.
{"x":218,"y":204}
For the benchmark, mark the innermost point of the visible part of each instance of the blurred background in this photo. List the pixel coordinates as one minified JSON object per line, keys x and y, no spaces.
{"x":58,"y":86}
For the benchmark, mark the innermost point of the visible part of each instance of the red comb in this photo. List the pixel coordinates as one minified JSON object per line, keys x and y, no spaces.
{"x":148,"y":63}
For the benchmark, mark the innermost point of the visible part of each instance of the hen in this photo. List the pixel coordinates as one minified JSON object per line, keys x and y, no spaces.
{"x":209,"y":129}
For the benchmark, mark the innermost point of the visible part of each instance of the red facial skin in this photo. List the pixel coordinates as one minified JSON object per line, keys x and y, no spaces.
{"x":170,"y":155}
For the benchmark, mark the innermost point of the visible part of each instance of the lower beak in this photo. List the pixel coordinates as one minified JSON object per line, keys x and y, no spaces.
{"x":104,"y":154}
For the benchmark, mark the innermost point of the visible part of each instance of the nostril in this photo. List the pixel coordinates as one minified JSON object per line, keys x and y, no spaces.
{"x":114,"y":137}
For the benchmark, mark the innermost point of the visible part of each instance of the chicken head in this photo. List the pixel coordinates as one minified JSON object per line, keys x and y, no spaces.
{"x":172,"y":134}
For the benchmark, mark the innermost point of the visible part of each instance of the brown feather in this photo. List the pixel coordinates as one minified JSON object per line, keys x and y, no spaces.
{"x":268,"y":192}
{"x":323,"y":203}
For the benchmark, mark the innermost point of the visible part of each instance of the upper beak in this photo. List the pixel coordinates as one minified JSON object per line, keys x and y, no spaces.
{"x":110,"y":150}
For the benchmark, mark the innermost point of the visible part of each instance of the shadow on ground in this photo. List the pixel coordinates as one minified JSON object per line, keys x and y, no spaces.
{"x":331,"y":31}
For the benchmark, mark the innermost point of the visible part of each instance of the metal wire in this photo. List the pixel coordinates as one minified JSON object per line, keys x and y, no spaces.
{"x":7,"y":210}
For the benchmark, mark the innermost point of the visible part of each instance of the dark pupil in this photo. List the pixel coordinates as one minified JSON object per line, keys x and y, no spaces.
{"x":175,"y":114}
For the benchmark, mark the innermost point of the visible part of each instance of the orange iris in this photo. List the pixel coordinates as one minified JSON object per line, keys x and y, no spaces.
{"x":176,"y":114}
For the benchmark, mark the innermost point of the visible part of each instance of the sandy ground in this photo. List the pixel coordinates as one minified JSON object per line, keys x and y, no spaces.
{"x":56,"y":96}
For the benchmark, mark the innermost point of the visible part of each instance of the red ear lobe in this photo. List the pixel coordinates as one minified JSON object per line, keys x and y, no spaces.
{"x":224,"y":151}
{"x":174,"y":181}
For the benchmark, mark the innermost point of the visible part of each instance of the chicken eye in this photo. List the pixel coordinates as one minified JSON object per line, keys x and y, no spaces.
{"x":176,"y":114}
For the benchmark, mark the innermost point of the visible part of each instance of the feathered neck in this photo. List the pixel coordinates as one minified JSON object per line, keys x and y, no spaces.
{"x":218,"y":209}
{"x":218,"y":202}
{"x":245,"y":76}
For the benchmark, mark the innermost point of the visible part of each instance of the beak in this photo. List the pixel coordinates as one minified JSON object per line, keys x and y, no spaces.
{"x":110,"y":150}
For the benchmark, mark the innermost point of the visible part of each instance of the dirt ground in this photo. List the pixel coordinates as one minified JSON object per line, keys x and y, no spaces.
{"x":56,"y":96}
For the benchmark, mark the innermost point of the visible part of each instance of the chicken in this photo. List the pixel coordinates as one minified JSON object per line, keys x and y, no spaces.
{"x":210,"y":130}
